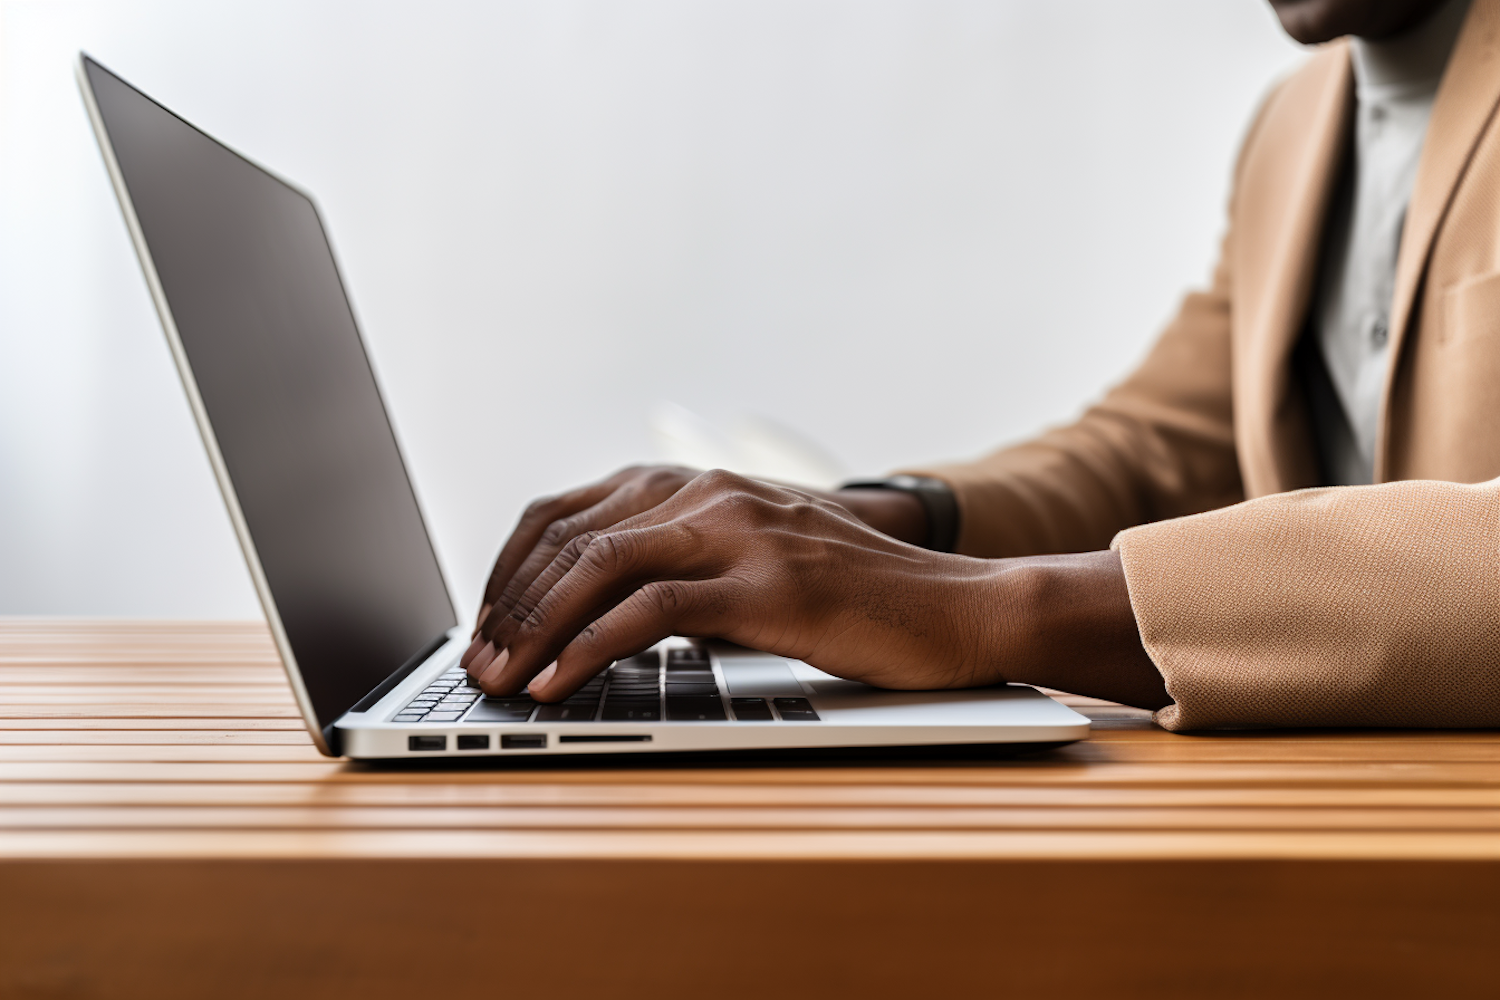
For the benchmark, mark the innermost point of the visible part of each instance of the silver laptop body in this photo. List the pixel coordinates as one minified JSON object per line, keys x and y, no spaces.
{"x":249,"y":295}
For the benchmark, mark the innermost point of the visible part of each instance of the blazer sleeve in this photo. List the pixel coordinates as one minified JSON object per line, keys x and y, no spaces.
{"x":1345,"y":606}
{"x":1159,"y":445}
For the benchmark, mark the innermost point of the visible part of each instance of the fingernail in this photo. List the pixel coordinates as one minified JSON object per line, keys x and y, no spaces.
{"x":538,"y":683}
{"x":491,"y":671}
{"x":482,"y":659}
{"x":472,"y":652}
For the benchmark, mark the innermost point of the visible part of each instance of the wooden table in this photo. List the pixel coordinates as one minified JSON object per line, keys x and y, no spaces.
{"x":167,"y":830}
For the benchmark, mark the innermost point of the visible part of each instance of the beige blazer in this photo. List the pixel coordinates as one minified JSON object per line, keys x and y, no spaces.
{"x":1285,"y":606}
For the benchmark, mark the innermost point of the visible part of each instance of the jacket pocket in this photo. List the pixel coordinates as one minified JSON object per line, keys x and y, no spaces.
{"x":1471,"y":309}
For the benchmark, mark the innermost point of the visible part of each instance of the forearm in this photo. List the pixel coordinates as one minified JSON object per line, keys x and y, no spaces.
{"x":1080,"y":634}
{"x":1349,"y":606}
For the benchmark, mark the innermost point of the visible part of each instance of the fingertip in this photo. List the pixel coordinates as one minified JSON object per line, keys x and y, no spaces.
{"x":472,"y":652}
{"x":489,"y":675}
{"x":539,"y":683}
{"x":482,"y":660}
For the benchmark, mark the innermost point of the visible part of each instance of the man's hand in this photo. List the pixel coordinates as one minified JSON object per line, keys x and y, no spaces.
{"x":550,"y":523}
{"x":787,"y":572}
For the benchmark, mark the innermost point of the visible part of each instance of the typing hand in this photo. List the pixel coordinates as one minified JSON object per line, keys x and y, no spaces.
{"x":550,"y":523}
{"x":765,"y":566}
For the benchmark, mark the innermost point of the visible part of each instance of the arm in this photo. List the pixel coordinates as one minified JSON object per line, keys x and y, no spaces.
{"x":1159,"y":445}
{"x":1350,"y":606}
{"x":1353,"y":606}
{"x":787,"y":572}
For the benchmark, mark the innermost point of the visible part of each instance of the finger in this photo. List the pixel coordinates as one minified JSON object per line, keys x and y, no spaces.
{"x":611,"y":567}
{"x":534,"y":521}
{"x":502,"y":622}
{"x":487,"y":657}
{"x":502,"y":618}
{"x":646,"y":617}
{"x":476,"y":648}
{"x":624,"y":502}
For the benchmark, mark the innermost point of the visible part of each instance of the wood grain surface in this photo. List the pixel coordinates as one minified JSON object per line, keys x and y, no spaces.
{"x":167,"y":829}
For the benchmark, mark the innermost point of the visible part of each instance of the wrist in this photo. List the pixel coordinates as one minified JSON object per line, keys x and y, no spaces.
{"x":939,"y":507}
{"x":890,"y":512}
{"x":1066,"y":622}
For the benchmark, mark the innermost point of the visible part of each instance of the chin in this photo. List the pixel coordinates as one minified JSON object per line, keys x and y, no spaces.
{"x":1312,"y":22}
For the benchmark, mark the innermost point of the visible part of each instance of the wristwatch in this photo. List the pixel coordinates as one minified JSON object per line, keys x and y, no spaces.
{"x":937,"y":499}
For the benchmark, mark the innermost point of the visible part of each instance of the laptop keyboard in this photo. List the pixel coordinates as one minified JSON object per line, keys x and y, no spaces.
{"x":640,"y":689}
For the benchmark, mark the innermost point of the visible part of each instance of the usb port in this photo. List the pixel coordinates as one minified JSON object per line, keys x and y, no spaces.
{"x":473,"y":742}
{"x":427,"y":743}
{"x":523,"y":741}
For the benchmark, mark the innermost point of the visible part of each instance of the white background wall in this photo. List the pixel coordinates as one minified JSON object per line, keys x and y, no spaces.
{"x":910,"y":228}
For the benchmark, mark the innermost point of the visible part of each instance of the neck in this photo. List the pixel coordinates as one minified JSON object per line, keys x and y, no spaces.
{"x":1416,"y":56}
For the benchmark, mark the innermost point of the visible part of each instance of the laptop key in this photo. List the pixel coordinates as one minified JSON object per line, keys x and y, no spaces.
{"x":443,"y":717}
{"x":692,"y":690}
{"x":751,"y":710}
{"x":796,"y":710}
{"x":695,"y":710}
{"x":502,"y":710}
{"x":564,"y":712}
{"x":695,"y":676}
{"x":632,"y":713}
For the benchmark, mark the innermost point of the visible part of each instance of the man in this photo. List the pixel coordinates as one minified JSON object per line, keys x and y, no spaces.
{"x":1351,"y":336}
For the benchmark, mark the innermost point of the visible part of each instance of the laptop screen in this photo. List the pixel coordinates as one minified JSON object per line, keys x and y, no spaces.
{"x":251,"y":284}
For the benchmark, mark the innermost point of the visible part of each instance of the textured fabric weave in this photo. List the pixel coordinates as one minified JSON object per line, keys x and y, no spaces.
{"x":1362,"y":606}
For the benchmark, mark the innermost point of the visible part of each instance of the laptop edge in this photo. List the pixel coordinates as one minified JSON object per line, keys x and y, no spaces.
{"x":377,"y":735}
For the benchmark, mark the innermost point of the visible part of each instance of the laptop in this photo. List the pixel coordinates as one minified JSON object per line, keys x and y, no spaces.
{"x":240,"y":267}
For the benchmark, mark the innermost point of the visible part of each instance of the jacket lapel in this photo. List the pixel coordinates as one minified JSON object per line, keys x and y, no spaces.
{"x":1463,"y":108}
{"x":1286,"y":180}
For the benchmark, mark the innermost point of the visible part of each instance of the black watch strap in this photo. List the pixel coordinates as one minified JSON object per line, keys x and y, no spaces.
{"x":937,"y":499}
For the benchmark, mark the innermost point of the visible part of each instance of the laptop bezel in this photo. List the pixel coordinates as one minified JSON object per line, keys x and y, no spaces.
{"x":323,"y":735}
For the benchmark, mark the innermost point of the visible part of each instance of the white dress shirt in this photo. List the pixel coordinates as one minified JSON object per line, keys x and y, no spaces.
{"x":1345,"y":362}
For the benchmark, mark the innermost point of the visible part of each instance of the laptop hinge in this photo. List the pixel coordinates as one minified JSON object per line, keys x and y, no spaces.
{"x":399,"y":674}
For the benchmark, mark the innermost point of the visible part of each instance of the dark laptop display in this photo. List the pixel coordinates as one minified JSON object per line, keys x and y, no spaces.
{"x":252,"y":286}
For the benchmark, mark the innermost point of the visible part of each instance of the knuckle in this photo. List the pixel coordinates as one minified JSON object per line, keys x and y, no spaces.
{"x":580,"y":545}
{"x":804,"y":509}
{"x":608,"y":553}
{"x":507,"y":598}
{"x":666,"y":596}
{"x":722,"y":479}
{"x":739,"y":505}
{"x":510,"y":596}
{"x":559,"y":532}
